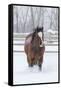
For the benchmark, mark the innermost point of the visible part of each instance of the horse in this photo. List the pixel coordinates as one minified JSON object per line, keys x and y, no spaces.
{"x":34,"y":47}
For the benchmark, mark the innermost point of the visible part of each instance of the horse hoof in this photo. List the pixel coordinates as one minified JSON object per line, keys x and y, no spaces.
{"x":30,"y":65}
{"x":40,"y":67}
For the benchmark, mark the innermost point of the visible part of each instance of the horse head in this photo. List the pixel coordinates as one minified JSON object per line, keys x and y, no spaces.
{"x":38,"y":31}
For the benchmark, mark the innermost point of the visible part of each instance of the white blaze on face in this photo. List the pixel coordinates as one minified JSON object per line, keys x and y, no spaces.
{"x":40,"y":35}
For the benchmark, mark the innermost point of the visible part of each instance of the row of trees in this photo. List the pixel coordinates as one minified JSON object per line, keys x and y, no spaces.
{"x":27,"y":18}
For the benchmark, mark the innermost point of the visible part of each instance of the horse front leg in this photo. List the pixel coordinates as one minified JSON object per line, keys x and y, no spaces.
{"x":40,"y":61}
{"x":30,"y":61}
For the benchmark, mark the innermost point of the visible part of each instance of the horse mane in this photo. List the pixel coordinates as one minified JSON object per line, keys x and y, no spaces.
{"x":39,"y":29}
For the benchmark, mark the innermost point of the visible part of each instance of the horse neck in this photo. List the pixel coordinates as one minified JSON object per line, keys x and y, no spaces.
{"x":33,"y":36}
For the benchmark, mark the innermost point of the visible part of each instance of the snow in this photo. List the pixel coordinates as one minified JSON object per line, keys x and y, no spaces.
{"x":52,"y":31}
{"x":22,"y":74}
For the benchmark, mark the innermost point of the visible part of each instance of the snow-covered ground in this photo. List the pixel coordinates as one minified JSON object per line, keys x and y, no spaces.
{"x":22,"y":74}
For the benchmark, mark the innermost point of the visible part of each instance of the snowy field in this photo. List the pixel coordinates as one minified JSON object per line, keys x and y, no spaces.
{"x":22,"y":74}
{"x":23,"y":24}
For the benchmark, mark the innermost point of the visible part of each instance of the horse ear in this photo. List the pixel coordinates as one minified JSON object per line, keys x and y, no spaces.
{"x":42,"y":29}
{"x":38,"y":29}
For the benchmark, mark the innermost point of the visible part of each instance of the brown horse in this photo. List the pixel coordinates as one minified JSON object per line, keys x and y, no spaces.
{"x":34,"y":47}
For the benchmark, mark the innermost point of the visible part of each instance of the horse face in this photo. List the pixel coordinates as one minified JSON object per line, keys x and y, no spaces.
{"x":40,"y":34}
{"x":39,"y":31}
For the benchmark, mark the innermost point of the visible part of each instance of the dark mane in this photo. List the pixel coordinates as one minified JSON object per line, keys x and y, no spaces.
{"x":39,"y":29}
